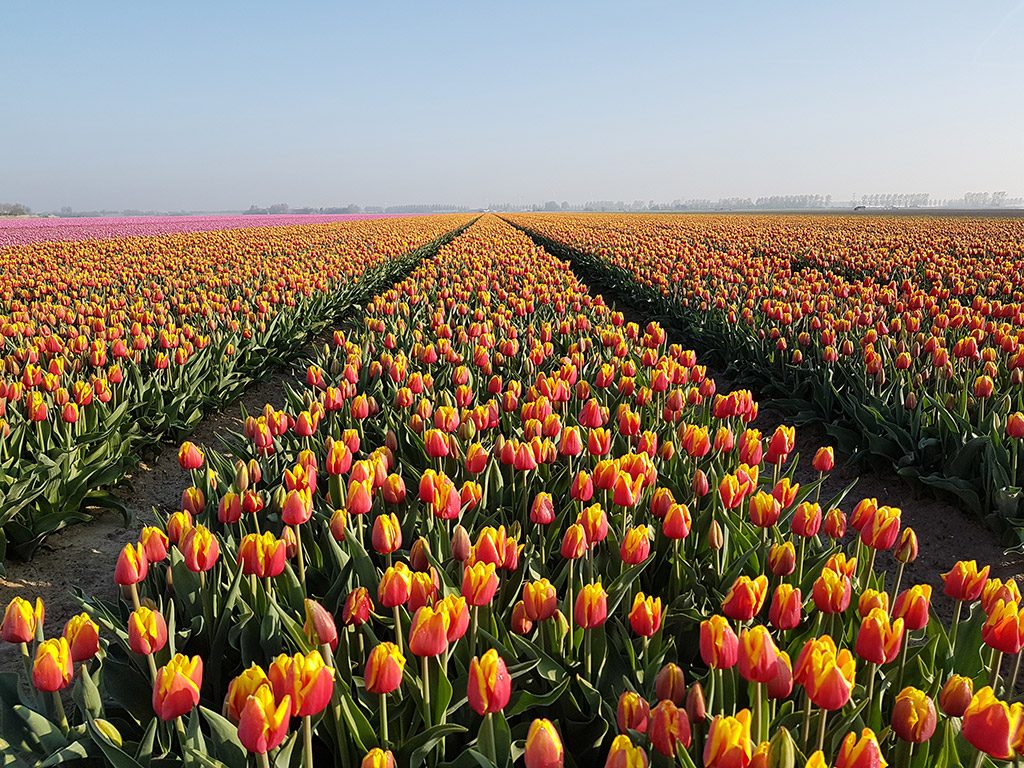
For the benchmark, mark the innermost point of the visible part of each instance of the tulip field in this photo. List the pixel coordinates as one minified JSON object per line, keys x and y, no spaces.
{"x":905,"y":335}
{"x":496,"y":521}
{"x":109,"y":344}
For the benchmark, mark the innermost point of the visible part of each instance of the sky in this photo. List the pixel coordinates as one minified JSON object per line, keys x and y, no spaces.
{"x":221,"y":105}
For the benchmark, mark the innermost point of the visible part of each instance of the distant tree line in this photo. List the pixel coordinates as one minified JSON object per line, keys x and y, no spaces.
{"x":14,"y":209}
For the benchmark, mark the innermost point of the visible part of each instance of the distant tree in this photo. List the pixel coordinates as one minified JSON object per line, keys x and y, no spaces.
{"x":14,"y":209}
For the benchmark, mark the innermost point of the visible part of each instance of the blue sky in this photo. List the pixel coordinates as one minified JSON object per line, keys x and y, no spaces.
{"x":220,"y":105}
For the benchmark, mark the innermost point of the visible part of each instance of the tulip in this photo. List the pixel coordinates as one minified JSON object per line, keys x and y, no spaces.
{"x":645,"y":615}
{"x":677,"y":522}
{"x":132,"y":565}
{"x":669,"y":728}
{"x":956,"y":695}
{"x":591,"y":607}
{"x":540,"y":599}
{"x":395,"y":586}
{"x":745,"y":598}
{"x":912,"y":605}
{"x":964,"y":581}
{"x":306,"y":678}
{"x":1004,"y":627}
{"x":757,"y":655}
{"x":262,"y":555}
{"x":428,"y":634}
{"x":624,"y":754}
{"x":384,"y":669}
{"x":764,"y":510}
{"x":782,"y":559}
{"x":728,"y":743}
{"x":992,"y":726}
{"x":913,"y":716}
{"x":882,"y":528}
{"x":806,"y":520}
{"x":378,"y":758}
{"x":154,"y":544}
{"x":670,"y":683}
{"x":780,"y":445}
{"x":22,"y":620}
{"x":479,"y":583}
{"x":835,"y":524}
{"x":263,"y":722}
{"x":832,"y":591}
{"x":543,"y":746}
{"x":490,"y":685}
{"x":358,"y":607}
{"x":147,"y":631}
{"x":574,"y":542}
{"x":83,"y":636}
{"x":387,"y":534}
{"x":786,"y":607}
{"x":878,"y":640}
{"x":860,"y":752}
{"x":319,"y":625}
{"x":53,"y":668}
{"x":719,"y":646}
{"x":785,"y":492}
{"x":190,"y":457}
{"x":632,"y":712}
{"x":907,"y":547}
{"x":542,"y":512}
{"x":595,"y":524}
{"x":826,"y":674}
{"x":241,"y":688}
{"x":176,"y":688}
{"x":824,"y":460}
{"x":636,"y":545}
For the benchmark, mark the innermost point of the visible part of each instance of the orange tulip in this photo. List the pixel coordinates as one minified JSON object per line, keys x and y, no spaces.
{"x":384,"y":668}
{"x":428,"y":634}
{"x":728,"y":742}
{"x":176,"y":690}
{"x":490,"y":686}
{"x":745,"y":598}
{"x":263,"y":722}
{"x":913,"y":716}
{"x":22,"y":620}
{"x":53,"y":667}
{"x":860,"y":752}
{"x":964,"y":581}
{"x":306,"y":678}
{"x":879,"y":640}
{"x":543,"y":746}
{"x":645,"y":615}
{"x":993,"y":726}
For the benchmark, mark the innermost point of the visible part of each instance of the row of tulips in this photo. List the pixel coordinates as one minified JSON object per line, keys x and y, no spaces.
{"x":142,"y":335}
{"x":500,"y":524}
{"x":909,"y":332}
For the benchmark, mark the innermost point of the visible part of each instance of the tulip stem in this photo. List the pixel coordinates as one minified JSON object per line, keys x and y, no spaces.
{"x":307,"y":741}
{"x":896,"y":588}
{"x":135,"y":595}
{"x":569,"y":607}
{"x":995,"y":664}
{"x":58,"y":706}
{"x":398,"y":629}
{"x":807,"y":721}
{"x":26,"y":657}
{"x":426,"y":690}
{"x":302,"y":559}
{"x":586,"y":652}
{"x":758,"y":731}
{"x":384,"y":720}
{"x":263,"y":760}
{"x":1011,"y":692}
{"x":956,"y":623}
{"x":821,"y":729}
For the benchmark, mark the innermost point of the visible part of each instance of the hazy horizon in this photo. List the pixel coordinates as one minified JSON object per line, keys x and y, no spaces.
{"x":217,"y":107}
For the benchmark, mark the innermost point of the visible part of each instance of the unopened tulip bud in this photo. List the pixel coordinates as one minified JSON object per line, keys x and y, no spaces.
{"x":956,"y":695}
{"x":782,"y":750}
{"x":319,"y":626}
{"x":419,"y":559}
{"x":670,"y":683}
{"x":696,"y":707}
{"x":906,"y":548}
{"x":521,"y":623}
{"x":716,"y":539}
{"x":913,"y":716}
{"x":241,"y":476}
{"x":461,"y":544}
